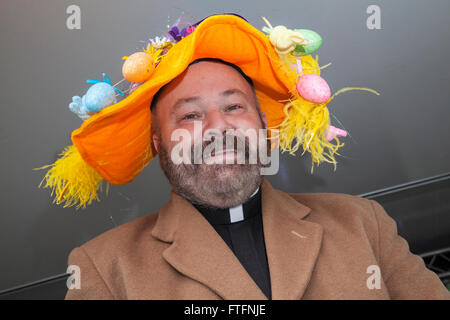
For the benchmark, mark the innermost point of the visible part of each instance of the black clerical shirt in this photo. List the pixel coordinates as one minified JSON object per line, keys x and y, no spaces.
{"x":242,"y":230}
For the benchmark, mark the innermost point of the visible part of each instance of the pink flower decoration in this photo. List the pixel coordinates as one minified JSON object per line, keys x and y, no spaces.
{"x":190,"y":30}
{"x":335,"y":132}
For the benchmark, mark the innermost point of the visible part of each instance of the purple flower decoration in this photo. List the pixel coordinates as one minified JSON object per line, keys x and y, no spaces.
{"x":177,"y":35}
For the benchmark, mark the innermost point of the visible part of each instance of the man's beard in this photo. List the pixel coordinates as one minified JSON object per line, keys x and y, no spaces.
{"x":213,"y":185}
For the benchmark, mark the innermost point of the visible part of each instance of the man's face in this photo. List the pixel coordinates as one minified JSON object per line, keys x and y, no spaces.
{"x":218,"y":97}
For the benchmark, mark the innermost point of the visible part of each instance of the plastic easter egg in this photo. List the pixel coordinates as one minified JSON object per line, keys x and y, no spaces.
{"x":99,"y":96}
{"x":138,"y":67}
{"x":313,"y":88}
{"x":314,"y":42}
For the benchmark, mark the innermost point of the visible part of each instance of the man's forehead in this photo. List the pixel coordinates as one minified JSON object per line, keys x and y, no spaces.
{"x":204,"y":78}
{"x":214,"y":71}
{"x":195,"y":99}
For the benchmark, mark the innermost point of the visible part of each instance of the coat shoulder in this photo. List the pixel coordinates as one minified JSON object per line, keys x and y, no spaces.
{"x":336,"y":204}
{"x":341,"y":212}
{"x":120,"y":239}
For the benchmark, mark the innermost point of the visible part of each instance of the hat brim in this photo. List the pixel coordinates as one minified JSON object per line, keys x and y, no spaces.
{"x":116,"y":141}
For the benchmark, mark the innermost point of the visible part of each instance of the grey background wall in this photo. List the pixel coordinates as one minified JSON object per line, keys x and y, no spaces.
{"x":399,"y":136}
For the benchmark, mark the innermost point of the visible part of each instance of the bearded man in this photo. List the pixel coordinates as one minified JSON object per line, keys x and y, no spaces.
{"x":226,"y":233}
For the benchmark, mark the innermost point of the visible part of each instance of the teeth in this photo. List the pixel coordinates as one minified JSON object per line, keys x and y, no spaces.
{"x":221,"y":152}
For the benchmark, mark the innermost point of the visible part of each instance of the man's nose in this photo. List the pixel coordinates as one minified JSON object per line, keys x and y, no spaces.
{"x":216,"y":121}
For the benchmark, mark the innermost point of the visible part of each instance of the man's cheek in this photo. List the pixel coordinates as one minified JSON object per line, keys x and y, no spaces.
{"x":180,"y":146}
{"x":253,"y":122}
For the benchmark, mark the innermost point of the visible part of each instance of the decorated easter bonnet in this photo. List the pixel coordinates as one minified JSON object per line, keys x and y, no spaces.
{"x":114,"y":141}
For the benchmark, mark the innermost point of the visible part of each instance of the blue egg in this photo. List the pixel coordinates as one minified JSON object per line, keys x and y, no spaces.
{"x":99,"y":96}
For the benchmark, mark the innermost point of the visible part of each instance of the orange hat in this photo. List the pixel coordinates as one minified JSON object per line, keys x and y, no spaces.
{"x":114,"y":143}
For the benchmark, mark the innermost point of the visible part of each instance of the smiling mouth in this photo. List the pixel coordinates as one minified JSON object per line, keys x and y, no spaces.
{"x":218,"y":154}
{"x":221,"y":152}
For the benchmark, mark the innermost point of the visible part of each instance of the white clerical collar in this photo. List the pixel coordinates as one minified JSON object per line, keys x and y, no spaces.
{"x":235,"y":214}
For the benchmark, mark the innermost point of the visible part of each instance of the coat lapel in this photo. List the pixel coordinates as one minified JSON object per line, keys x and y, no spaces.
{"x":198,"y":252}
{"x":292,"y":244}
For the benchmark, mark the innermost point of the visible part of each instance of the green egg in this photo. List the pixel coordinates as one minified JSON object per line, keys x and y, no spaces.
{"x":314,"y":42}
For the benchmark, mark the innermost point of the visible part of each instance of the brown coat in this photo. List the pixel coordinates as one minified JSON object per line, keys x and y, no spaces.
{"x":319,"y":246}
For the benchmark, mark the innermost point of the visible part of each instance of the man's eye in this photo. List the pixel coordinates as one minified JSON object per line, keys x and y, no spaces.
{"x":233,"y":107}
{"x":190,"y":116}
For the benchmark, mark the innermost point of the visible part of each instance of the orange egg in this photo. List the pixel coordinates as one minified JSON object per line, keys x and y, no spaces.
{"x":138,"y":67}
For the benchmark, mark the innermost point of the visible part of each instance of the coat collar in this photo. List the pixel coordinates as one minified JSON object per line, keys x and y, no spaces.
{"x":198,"y":252}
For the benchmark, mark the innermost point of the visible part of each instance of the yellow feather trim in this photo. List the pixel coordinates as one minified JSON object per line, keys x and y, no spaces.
{"x":72,"y":179}
{"x":306,"y":123}
{"x":157,"y":53}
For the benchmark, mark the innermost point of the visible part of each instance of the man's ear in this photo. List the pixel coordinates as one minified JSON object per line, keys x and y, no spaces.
{"x":264,"y":119}
{"x":156,"y":142}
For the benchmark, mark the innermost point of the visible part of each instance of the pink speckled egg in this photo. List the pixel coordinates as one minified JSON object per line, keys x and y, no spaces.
{"x":313,"y":88}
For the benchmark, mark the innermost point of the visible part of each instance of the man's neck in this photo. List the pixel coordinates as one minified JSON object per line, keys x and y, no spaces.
{"x":245,"y":210}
